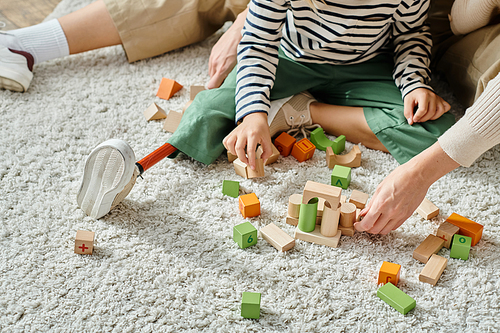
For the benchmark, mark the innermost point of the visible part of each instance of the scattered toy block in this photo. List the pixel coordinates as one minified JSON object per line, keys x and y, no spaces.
{"x":240,"y":168}
{"x":84,"y":242}
{"x":186,"y":106}
{"x":389,"y":272}
{"x":249,"y":205}
{"x":307,"y":215}
{"x":347,"y":231}
{"x":273,"y":158}
{"x":319,"y":139}
{"x":427,"y":209}
{"x":194,"y":90}
{"x":321,"y":206}
{"x":245,"y":235}
{"x":294,"y":205}
{"x":351,"y":159}
{"x":341,"y":176}
{"x":343,"y":199}
{"x":396,"y":298}
{"x":154,"y":112}
{"x":338,"y":144}
{"x":231,"y":157}
{"x":460,"y":247}
{"x":467,"y":227}
{"x":259,"y":169}
{"x":231,"y":188}
{"x":446,"y":231}
{"x":250,"y":305}
{"x":303,"y":150}
{"x":172,"y":122}
{"x":347,"y":214}
{"x":358,"y":215}
{"x":431,"y":245}
{"x":318,"y":190}
{"x":168,"y":88}
{"x":284,"y":143}
{"x":316,"y":237}
{"x":433,"y":269}
{"x":330,"y":220}
{"x":359,"y":199}
{"x":277,"y":237}
{"x":292,"y":220}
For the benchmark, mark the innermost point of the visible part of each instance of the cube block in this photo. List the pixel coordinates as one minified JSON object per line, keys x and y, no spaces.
{"x":460,"y":247}
{"x":250,"y":305}
{"x":249,"y":205}
{"x":389,"y":272}
{"x":84,"y":242}
{"x":303,"y":150}
{"x":341,"y":176}
{"x":245,"y":234}
{"x":231,"y":188}
{"x":284,"y":143}
{"x":446,"y":231}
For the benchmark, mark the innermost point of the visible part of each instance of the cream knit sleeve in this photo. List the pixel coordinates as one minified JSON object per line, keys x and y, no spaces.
{"x":478,"y":130}
{"x":469,"y":15}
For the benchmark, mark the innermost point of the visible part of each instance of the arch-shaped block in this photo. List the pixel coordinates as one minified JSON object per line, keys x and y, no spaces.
{"x":351,"y":159}
{"x":331,"y":194}
{"x":319,"y":139}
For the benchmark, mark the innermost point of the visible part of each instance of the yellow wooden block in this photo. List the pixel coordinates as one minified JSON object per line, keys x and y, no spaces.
{"x":389,"y":272}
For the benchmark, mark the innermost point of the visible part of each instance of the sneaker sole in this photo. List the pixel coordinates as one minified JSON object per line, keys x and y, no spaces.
{"x":108,"y":170}
{"x":14,"y":81}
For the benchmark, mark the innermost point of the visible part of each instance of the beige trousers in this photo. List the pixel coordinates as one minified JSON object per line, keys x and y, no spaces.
{"x":149,"y":28}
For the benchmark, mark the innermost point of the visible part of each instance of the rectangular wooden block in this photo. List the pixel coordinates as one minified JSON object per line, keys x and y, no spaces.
{"x":433,"y":269}
{"x":172,"y":122}
{"x":318,"y":190}
{"x":446,"y":231}
{"x":431,"y":245}
{"x":277,"y":237}
{"x":427,"y":209}
{"x":292,"y":220}
{"x":240,"y":168}
{"x":396,"y":298}
{"x":194,"y":90}
{"x":467,"y":227}
{"x":359,"y":199}
{"x":317,"y":238}
{"x":347,"y":231}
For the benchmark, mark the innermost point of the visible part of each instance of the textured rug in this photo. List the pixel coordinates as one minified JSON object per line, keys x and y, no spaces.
{"x":164,"y":259}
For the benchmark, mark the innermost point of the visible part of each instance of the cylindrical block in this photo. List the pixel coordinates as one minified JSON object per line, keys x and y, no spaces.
{"x":330,"y":221}
{"x":347,"y":214}
{"x":307,"y":215}
{"x":294,"y":205}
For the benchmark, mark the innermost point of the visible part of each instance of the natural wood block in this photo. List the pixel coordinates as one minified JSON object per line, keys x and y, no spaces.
{"x":194,"y":90}
{"x":154,"y":112}
{"x":273,"y":158}
{"x":467,"y":227}
{"x":303,"y":150}
{"x":292,"y":220}
{"x":319,"y":190}
{"x":330,"y":220}
{"x":358,"y":215}
{"x":284,"y":143}
{"x":277,"y":237}
{"x":396,"y":298}
{"x":427,"y":209}
{"x":245,"y":234}
{"x":240,"y":168}
{"x":172,"y":122}
{"x":389,"y":272}
{"x":433,"y":269}
{"x":249,"y":205}
{"x":460,"y":247}
{"x":294,"y":205}
{"x":84,"y":242}
{"x":259,"y":169}
{"x":250,"y":305}
{"x":321,"y":206}
{"x":341,"y":176}
{"x":168,"y":88}
{"x":446,"y":231}
{"x":359,"y":199}
{"x":186,"y":106}
{"x":343,"y":199}
{"x":231,"y":157}
{"x":316,"y":237}
{"x":347,"y":214}
{"x":351,"y":159}
{"x":347,"y":231}
{"x":431,"y":245}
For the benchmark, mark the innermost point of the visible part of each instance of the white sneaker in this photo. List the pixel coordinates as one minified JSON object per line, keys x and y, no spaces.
{"x":15,"y":69}
{"x":109,"y":175}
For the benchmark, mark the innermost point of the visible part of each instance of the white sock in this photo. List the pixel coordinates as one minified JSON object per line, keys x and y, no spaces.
{"x":44,"y":41}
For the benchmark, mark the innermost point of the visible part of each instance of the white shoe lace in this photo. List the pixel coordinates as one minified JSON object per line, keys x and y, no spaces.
{"x":302,"y":128}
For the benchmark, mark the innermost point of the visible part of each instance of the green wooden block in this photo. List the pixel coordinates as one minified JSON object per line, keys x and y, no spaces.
{"x":307,"y":215}
{"x":245,"y":234}
{"x":338,"y":145}
{"x":231,"y":188}
{"x":341,"y":176}
{"x":319,"y":139}
{"x":250,"y":305}
{"x":396,"y":298}
{"x":460,"y":247}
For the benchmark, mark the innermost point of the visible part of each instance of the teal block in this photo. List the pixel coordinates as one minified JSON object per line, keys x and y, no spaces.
{"x":250,"y":305}
{"x":460,"y":247}
{"x":396,"y":298}
{"x":319,"y":139}
{"x":307,"y":215}
{"x":341,"y":176}
{"x":338,"y":145}
{"x":231,"y":188}
{"x":245,"y":234}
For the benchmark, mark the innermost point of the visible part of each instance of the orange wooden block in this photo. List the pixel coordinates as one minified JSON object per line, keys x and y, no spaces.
{"x":389,"y":272}
{"x":284,"y":143}
{"x":168,"y":88}
{"x":303,"y":150}
{"x":249,"y":205}
{"x":467,"y":227}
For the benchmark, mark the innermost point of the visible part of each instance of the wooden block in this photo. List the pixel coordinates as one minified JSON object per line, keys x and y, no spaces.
{"x":433,"y":269}
{"x":321,"y":206}
{"x":154,"y":112}
{"x":194,"y":90}
{"x":172,"y":122}
{"x":341,"y":176}
{"x":330,"y":220}
{"x":338,"y":144}
{"x":292,"y":220}
{"x":277,"y":237}
{"x":249,"y":205}
{"x":358,"y":215}
{"x":343,"y":199}
{"x":396,"y":298}
{"x":274,"y":157}
{"x":250,"y":305}
{"x":284,"y":143}
{"x":351,"y":159}
{"x":316,"y":237}
{"x":168,"y":88}
{"x":347,"y":214}
{"x":294,"y":205}
{"x":307,"y":215}
{"x":259,"y":169}
{"x":319,"y":190}
{"x":359,"y":199}
{"x":460,"y":247}
{"x":446,"y":231}
{"x":427,"y":209}
{"x":231,"y":157}
{"x":240,"y":168}
{"x":84,"y":242}
{"x":319,"y":139}
{"x":389,"y":272}
{"x":347,"y":231}
{"x":467,"y":227}
{"x":245,"y":235}
{"x":186,"y":106}
{"x":431,"y":245}
{"x":303,"y":150}
{"x":231,"y":188}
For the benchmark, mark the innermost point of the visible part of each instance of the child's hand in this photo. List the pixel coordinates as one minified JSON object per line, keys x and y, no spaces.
{"x":244,"y":139}
{"x":430,"y":106}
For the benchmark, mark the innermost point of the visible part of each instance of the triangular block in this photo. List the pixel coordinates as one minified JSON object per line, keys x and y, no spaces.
{"x":168,"y":88}
{"x":154,"y":112}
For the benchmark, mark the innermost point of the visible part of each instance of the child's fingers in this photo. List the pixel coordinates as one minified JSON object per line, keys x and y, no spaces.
{"x":408,"y":110}
{"x":251,"y":148}
{"x":240,"y":149}
{"x":267,"y":149}
{"x":423,"y":108}
{"x":431,"y":111}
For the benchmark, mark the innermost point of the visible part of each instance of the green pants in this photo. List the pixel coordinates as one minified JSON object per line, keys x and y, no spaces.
{"x":370,"y":85}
